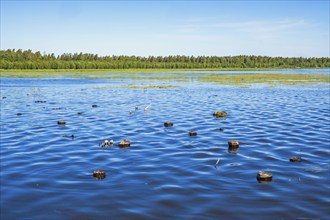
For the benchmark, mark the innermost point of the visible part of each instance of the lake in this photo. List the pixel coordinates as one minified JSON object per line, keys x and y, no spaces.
{"x":47,"y":168}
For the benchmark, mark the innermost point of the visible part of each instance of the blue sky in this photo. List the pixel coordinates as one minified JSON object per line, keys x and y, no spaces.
{"x":143,"y":28}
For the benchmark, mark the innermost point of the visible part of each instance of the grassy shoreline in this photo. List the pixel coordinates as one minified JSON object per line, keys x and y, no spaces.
{"x":81,"y":71}
{"x":91,"y":71}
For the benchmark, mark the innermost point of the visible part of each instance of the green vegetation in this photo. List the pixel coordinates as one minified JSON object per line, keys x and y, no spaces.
{"x":269,"y":79}
{"x":18,"y":63}
{"x":87,"y":73}
{"x":83,"y":71}
{"x":28,"y":60}
{"x":152,"y":86}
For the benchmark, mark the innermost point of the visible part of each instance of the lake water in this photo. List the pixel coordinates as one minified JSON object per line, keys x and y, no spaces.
{"x":165,"y":174}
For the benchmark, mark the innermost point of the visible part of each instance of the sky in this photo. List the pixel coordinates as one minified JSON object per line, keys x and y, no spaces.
{"x":161,"y":28}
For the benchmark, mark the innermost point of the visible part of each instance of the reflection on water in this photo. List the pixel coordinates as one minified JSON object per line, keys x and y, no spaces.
{"x":47,"y":170}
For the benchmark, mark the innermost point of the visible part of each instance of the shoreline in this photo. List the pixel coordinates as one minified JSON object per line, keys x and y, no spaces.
{"x":109,"y":71}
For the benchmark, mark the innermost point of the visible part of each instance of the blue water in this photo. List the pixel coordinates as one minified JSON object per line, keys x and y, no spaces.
{"x":165,"y":174}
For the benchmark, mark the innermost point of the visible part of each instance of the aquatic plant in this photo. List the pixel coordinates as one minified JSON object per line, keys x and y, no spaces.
{"x":270,"y":79}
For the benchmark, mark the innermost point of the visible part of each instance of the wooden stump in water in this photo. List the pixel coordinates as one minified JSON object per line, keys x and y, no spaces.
{"x":99,"y":174}
{"x":264,"y":177}
{"x":232,"y":143}
{"x":220,"y":114}
{"x":125,"y":143}
{"x":295,"y":159}
{"x":61,"y":122}
{"x":192,"y":133}
{"x":233,"y":146}
{"x":168,"y":124}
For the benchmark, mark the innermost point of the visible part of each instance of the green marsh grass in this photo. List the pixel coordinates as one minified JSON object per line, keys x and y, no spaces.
{"x":169,"y":75}
{"x":269,"y":79}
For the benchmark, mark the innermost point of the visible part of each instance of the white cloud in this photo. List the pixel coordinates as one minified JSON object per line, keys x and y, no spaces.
{"x":267,"y":29}
{"x":258,"y":29}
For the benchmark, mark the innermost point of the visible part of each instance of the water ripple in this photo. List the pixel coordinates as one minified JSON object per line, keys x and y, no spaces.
{"x":46,"y":173}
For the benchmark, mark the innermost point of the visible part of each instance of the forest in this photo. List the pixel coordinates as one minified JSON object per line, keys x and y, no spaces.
{"x":27,"y":59}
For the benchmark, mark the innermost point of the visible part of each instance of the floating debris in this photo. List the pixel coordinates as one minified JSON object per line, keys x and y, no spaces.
{"x":40,"y":101}
{"x":61,"y":122}
{"x":125,"y":143}
{"x":94,"y":106}
{"x":216,"y":163}
{"x":220,"y":114}
{"x":146,"y":108}
{"x":99,"y":174}
{"x":168,"y":124}
{"x":264,"y":177}
{"x":295,"y":159}
{"x":192,"y":133}
{"x":68,"y":136}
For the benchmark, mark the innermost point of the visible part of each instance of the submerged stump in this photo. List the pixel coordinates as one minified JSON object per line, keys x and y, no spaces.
{"x":61,"y":122}
{"x":233,"y":146}
{"x":124,"y":143}
{"x":264,"y":176}
{"x":295,"y":159}
{"x":99,"y":174}
{"x":220,"y":114}
{"x":168,"y":124}
{"x":192,"y":133}
{"x":232,"y":143}
{"x":233,"y":149}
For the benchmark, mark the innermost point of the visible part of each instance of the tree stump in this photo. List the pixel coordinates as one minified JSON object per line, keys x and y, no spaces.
{"x":125,"y":143}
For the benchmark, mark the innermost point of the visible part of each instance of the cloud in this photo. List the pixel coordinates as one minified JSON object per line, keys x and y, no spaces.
{"x":257,"y":29}
{"x":266,"y":29}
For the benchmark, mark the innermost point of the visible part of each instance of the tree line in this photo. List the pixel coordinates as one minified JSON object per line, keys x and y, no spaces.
{"x":19,"y":59}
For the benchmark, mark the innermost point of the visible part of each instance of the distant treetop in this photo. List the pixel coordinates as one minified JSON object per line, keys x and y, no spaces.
{"x":19,"y":59}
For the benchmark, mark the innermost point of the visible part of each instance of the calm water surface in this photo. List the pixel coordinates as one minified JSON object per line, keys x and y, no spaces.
{"x":165,"y":174}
